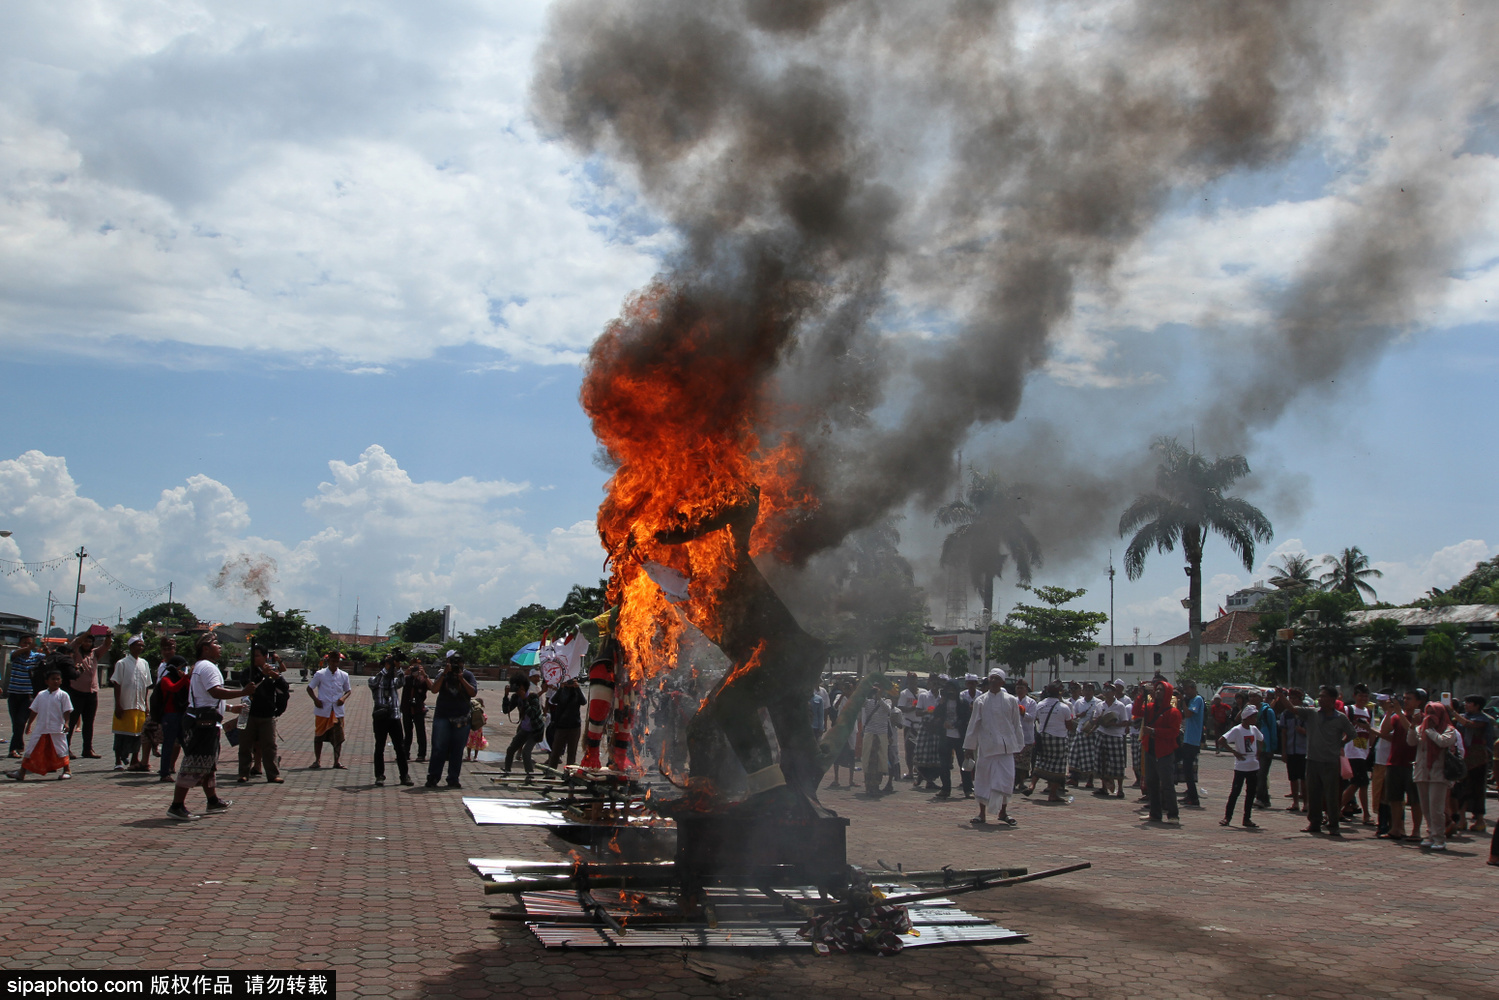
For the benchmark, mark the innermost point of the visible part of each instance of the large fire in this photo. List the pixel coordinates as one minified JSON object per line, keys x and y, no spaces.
{"x":680,"y":408}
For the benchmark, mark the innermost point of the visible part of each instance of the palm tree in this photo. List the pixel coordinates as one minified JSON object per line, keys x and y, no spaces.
{"x":1295,"y":572}
{"x":1346,"y":573}
{"x":987,"y":533}
{"x":1189,"y":503}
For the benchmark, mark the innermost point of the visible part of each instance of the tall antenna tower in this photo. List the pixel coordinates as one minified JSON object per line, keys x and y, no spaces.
{"x":355,"y":627}
{"x":956,"y":615}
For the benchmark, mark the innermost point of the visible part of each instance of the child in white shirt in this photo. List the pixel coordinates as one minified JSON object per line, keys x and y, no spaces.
{"x":1243,"y":741}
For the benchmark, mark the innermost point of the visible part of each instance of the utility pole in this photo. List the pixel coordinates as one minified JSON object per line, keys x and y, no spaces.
{"x":78,"y":588}
{"x":1112,"y":674}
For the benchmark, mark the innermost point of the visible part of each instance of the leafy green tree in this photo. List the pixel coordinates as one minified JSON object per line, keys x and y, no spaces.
{"x":1187,"y":505}
{"x":1385,"y":653}
{"x":987,"y":533}
{"x":1447,"y":652}
{"x":169,"y":613}
{"x":1480,"y":586}
{"x":957,"y":662}
{"x":1323,"y":630}
{"x":1348,"y":572}
{"x":1045,"y":631}
{"x":281,"y":630}
{"x":420,"y":626}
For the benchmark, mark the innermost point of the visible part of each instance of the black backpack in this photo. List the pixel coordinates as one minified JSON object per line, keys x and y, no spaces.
{"x":283,"y":699}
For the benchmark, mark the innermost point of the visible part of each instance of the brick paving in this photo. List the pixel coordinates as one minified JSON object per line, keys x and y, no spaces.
{"x":329,"y":872}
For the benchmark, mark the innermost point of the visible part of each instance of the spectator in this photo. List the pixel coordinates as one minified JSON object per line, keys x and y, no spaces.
{"x":19,"y":690}
{"x":1113,"y":723}
{"x":1159,"y":736}
{"x":454,"y":688}
{"x":930,"y":738}
{"x":1327,"y":729}
{"x":907,"y":704}
{"x":875,"y":724}
{"x":1194,"y":713}
{"x":1432,"y":737}
{"x":1478,"y":742}
{"x":1025,"y":757}
{"x":952,"y":716}
{"x":258,"y":724}
{"x":386,"y":687}
{"x":1361,"y":714}
{"x":84,"y":692}
{"x":1139,"y":702}
{"x":1379,"y":755}
{"x":1293,"y":746}
{"x":328,"y":689}
{"x":567,"y":721}
{"x":1083,"y":754}
{"x":414,"y":709}
{"x":845,"y":755}
{"x":992,"y":741}
{"x":168,"y":650}
{"x":528,"y":724}
{"x":1268,"y":744}
{"x":173,"y":687}
{"x":1221,"y":713}
{"x":131,"y":681}
{"x":201,"y":728}
{"x":1053,"y":724}
{"x":1243,"y":742}
{"x":1400,"y":785}
{"x":477,"y":720}
{"x":46,"y":744}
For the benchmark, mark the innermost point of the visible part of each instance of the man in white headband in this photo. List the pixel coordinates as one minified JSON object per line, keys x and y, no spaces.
{"x":131,"y":681}
{"x":993,"y":739}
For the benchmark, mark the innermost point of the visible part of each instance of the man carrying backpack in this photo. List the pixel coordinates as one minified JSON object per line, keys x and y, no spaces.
{"x":258,"y":728}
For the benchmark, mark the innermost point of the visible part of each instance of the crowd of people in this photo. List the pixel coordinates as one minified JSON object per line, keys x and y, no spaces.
{"x":180,"y":713}
{"x":1371,"y":759}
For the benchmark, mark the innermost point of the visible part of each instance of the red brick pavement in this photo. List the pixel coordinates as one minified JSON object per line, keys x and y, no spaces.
{"x":329,"y":872}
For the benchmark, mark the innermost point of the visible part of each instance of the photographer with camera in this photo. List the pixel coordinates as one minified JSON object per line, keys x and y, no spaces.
{"x":455,"y":687}
{"x":386,"y":688}
{"x":414,"y":709}
{"x":258,"y":727}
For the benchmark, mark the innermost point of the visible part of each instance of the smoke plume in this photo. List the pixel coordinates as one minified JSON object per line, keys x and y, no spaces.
{"x":247,"y":576}
{"x":887,"y":211}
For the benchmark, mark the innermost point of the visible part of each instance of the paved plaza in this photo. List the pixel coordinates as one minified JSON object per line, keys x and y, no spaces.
{"x":329,"y":872}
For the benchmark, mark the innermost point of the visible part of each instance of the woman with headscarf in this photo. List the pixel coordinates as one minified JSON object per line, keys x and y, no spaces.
{"x":1432,"y":738}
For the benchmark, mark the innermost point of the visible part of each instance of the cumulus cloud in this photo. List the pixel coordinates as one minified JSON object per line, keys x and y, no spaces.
{"x":395,"y":543}
{"x":344,"y":185}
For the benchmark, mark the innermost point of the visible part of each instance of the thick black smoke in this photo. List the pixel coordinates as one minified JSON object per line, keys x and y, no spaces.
{"x":907,"y":199}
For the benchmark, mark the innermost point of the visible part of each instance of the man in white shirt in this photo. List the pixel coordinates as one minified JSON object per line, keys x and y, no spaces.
{"x":328,"y":689}
{"x":1028,"y":730}
{"x":1053,"y":725}
{"x":906,"y":704}
{"x":1084,"y":749}
{"x":1112,"y":719}
{"x":201,"y":728}
{"x":131,"y":681}
{"x":874,"y":740}
{"x":993,"y":739}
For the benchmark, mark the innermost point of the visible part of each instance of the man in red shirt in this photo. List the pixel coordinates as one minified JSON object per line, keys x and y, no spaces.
{"x":1159,"y":737}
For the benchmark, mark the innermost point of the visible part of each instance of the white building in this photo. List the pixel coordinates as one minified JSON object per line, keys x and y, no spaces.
{"x":1248,"y":598}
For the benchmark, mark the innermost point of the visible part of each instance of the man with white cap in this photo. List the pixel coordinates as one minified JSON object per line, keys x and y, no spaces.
{"x":131,"y":681}
{"x":993,"y":739}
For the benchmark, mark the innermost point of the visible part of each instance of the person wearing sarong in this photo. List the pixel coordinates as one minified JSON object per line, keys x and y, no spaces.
{"x":1113,"y":722}
{"x":201,"y":727}
{"x":993,"y":739}
{"x":46,"y":735}
{"x":131,"y":681}
{"x":1137,"y":706}
{"x":1053,"y":725}
{"x":929,"y":742}
{"x":1083,"y":754}
{"x":328,"y":689}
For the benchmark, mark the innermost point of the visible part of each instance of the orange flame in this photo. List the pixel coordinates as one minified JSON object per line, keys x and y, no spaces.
{"x":680,"y":408}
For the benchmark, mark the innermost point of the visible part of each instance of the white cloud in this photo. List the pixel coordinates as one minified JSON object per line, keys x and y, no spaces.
{"x":361,"y":185}
{"x":396,"y":544}
{"x":1406,"y":581}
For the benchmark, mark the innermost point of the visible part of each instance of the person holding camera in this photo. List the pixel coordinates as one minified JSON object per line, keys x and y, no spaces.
{"x":386,"y":688}
{"x":201,"y":728}
{"x":258,"y":727}
{"x":528,"y":727}
{"x":455,"y":687}
{"x":414,"y":709}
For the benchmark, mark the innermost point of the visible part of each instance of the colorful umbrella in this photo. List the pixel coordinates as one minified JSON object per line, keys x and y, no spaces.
{"x":526,"y":655}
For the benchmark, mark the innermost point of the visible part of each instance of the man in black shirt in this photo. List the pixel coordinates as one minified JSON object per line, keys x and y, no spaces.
{"x":567,"y":721}
{"x":386,"y":688}
{"x":414,"y":709}
{"x":455,"y":688}
{"x":258,"y":728}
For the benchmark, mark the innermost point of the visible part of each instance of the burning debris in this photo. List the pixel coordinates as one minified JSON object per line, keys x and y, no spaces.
{"x":249,"y":575}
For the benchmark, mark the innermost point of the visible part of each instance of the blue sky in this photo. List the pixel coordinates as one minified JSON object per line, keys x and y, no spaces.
{"x":307,"y":285}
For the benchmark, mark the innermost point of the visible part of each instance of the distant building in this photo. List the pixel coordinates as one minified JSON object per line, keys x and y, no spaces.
{"x":13,"y":626}
{"x":1249,"y":597}
{"x":941,"y":642}
{"x":1481,"y":621}
{"x":1224,"y":639}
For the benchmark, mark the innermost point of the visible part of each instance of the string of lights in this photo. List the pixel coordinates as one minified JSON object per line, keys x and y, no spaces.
{"x":135,"y":592}
{"x":10,"y":567}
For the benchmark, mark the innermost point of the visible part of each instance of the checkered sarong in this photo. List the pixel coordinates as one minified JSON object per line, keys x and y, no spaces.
{"x":1050,"y":758}
{"x":1110,"y":756}
{"x":1083,"y":754}
{"x":1134,"y":749}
